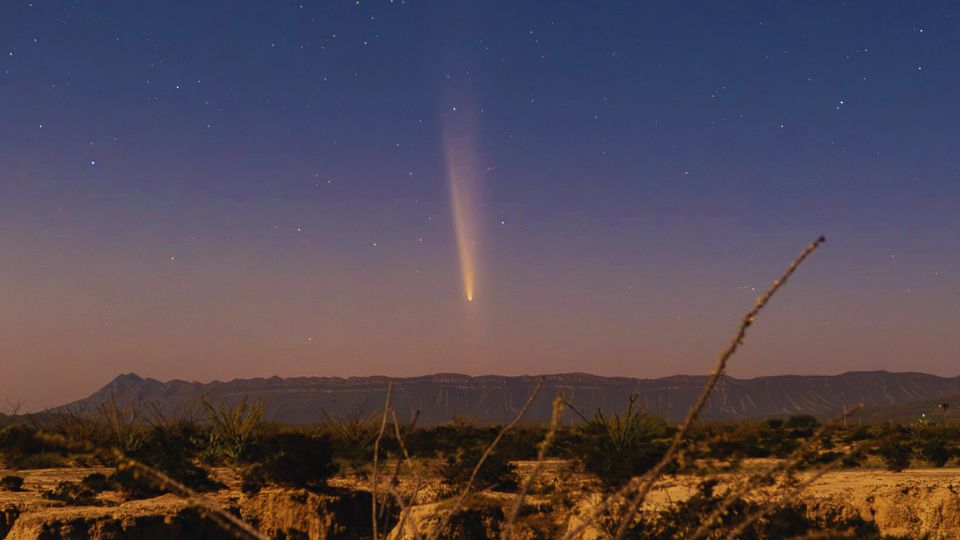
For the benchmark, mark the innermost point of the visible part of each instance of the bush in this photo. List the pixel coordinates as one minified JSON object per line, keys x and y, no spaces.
{"x":25,"y":447}
{"x":11,"y":483}
{"x":616,"y":449}
{"x":352,"y":437}
{"x":802,"y":425}
{"x":854,"y":458}
{"x":71,"y":493}
{"x":936,"y":450}
{"x":42,"y":460}
{"x":97,"y":482}
{"x":497,"y":472}
{"x":295,"y":460}
{"x":133,"y":484}
{"x":895,"y":454}
{"x":171,"y":451}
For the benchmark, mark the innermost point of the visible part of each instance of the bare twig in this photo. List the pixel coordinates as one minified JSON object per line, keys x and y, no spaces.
{"x":541,"y":455}
{"x":643,"y":484}
{"x":404,"y":511}
{"x":678,"y":439}
{"x":376,"y":456}
{"x":486,"y":453}
{"x":14,"y":406}
{"x":404,"y":506}
{"x":404,"y":456}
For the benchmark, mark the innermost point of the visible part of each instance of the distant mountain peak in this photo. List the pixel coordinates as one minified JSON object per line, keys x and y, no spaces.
{"x":127,"y":378}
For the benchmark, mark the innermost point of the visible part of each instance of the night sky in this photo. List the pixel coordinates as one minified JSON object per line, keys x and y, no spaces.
{"x":210,"y":190}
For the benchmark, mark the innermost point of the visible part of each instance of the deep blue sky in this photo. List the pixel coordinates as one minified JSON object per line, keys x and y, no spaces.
{"x":224,"y":189}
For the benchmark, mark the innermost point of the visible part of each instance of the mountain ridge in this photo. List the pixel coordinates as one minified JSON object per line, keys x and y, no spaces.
{"x":441,"y":397}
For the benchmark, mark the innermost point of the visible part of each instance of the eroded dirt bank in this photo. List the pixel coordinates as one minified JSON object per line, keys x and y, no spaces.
{"x":912,"y":503}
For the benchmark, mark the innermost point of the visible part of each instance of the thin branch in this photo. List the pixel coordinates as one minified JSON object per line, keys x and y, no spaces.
{"x":486,"y":453}
{"x":404,"y":507}
{"x":376,"y":456}
{"x":678,"y":439}
{"x":643,"y":484}
{"x":541,"y":455}
{"x":404,"y":511}
{"x":404,"y":456}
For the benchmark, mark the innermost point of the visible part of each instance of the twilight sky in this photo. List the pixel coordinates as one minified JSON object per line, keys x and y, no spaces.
{"x":210,"y":190}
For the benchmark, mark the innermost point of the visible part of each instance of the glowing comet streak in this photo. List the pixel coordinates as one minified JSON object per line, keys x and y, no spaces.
{"x":463,"y":201}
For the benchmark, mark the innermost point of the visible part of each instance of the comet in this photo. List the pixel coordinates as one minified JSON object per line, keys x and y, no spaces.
{"x":459,"y":147}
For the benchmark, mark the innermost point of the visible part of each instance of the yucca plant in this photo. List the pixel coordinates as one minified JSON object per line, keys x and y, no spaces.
{"x":616,"y":448}
{"x":353,"y":436}
{"x":233,"y":426}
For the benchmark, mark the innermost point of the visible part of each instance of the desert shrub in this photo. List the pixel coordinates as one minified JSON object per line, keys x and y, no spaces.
{"x":497,"y":473}
{"x":448,"y":438}
{"x":352,"y":437}
{"x":233,"y":427}
{"x":521,"y":443}
{"x":25,"y":447}
{"x":934,"y":448}
{"x":78,"y":423}
{"x":801,"y":425}
{"x":120,"y":425}
{"x":11,"y":483}
{"x":171,"y":451}
{"x":133,"y":485}
{"x":860,"y":433}
{"x":625,"y":445}
{"x":43,"y":460}
{"x":895,"y":453}
{"x":96,"y":482}
{"x":854,"y":458}
{"x":71,"y":493}
{"x":297,"y":460}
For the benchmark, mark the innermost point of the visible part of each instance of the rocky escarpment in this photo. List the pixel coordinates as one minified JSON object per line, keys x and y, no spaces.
{"x":916,"y":504}
{"x":161,"y":518}
{"x":275,"y":512}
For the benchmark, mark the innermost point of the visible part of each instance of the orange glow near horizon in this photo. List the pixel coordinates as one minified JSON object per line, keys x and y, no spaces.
{"x":461,"y":159}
